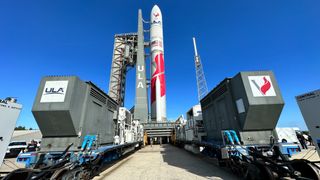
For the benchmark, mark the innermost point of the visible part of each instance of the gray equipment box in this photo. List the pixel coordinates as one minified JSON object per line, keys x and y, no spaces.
{"x":250,"y":101}
{"x":67,"y":109}
{"x":309,"y":105}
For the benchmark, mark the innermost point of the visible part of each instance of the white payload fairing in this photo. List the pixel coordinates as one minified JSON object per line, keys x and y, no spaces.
{"x":158,"y":84}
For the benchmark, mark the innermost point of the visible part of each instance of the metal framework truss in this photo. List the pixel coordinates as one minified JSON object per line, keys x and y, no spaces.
{"x":201,"y":80}
{"x":124,"y":57}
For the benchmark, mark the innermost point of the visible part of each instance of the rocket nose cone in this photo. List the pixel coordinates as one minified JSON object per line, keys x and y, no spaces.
{"x":155,"y":8}
{"x":156,"y":13}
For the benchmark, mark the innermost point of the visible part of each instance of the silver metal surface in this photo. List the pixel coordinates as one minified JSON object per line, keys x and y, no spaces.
{"x":159,"y":129}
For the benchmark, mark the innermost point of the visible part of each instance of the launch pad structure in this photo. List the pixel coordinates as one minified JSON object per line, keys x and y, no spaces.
{"x":129,"y":52}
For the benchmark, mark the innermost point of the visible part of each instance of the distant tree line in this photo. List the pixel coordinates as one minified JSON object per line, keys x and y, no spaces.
{"x":22,"y":128}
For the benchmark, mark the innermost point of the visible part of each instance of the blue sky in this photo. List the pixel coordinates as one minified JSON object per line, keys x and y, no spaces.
{"x":39,"y":38}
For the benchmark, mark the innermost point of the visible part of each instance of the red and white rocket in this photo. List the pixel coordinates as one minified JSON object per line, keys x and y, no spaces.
{"x":158,"y":84}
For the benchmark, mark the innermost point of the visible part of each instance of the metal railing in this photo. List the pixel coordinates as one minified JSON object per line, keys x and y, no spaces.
{"x":167,"y":125}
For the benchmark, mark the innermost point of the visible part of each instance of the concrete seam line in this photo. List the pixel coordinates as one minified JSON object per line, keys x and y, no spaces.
{"x":112,"y":168}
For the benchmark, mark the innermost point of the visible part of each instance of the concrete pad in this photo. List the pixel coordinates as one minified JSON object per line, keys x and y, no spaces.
{"x":310,"y":154}
{"x":164,"y":162}
{"x":8,"y":165}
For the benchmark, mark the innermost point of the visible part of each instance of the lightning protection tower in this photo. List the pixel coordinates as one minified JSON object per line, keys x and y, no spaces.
{"x":201,"y":80}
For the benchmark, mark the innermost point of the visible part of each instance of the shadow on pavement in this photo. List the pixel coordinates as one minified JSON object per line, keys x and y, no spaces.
{"x":195,"y":164}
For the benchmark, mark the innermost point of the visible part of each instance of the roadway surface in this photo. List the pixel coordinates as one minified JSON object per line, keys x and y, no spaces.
{"x":164,"y":162}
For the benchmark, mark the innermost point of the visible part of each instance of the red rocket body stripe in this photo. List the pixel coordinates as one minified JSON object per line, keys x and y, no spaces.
{"x":162,"y":85}
{"x":159,"y":72}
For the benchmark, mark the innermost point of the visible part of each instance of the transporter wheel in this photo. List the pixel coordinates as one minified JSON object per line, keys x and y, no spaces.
{"x":77,"y":173}
{"x":306,"y":168}
{"x":95,"y":170}
{"x":252,"y":173}
{"x":21,"y":174}
{"x":236,"y":167}
{"x":231,"y":165}
{"x":222,"y":163}
{"x":259,"y":172}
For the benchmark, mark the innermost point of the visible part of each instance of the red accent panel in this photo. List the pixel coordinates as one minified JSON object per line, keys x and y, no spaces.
{"x":153,"y":90}
{"x":159,"y":61}
{"x":162,"y":85}
{"x":266,"y":86}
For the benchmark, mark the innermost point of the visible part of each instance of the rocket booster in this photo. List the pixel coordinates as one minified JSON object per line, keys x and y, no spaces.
{"x":158,"y":85}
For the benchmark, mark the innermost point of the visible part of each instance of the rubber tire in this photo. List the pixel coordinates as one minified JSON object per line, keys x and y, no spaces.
{"x":259,"y":172}
{"x":307,"y":170}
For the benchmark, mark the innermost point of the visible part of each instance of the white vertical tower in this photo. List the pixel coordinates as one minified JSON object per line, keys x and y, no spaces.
{"x":201,"y":80}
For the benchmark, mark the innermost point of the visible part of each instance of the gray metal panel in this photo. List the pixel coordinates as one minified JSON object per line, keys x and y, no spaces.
{"x":59,"y":143}
{"x":218,"y":111}
{"x":239,"y":93}
{"x":262,"y":117}
{"x":256,"y":137}
{"x":252,"y":113}
{"x":141,"y":99}
{"x":56,"y":123}
{"x":60,"y":118}
{"x":261,"y":112}
{"x":99,"y":120}
{"x":86,"y":110}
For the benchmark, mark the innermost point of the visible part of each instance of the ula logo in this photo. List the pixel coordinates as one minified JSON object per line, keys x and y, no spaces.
{"x":156,"y":22}
{"x":261,"y":86}
{"x":53,"y":91}
{"x":156,"y":15}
